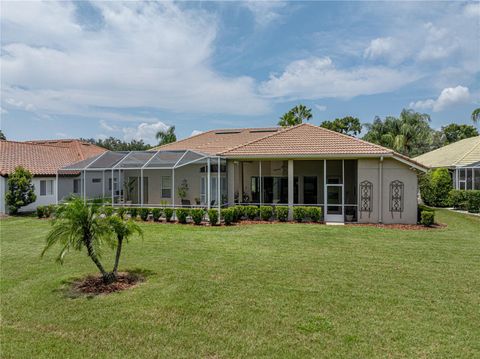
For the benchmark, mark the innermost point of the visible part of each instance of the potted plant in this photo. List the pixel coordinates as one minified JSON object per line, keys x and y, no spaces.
{"x":349,"y":214}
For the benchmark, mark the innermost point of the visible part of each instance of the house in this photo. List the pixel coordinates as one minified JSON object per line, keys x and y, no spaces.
{"x":352,"y":180}
{"x":462,"y":158}
{"x":43,"y":159}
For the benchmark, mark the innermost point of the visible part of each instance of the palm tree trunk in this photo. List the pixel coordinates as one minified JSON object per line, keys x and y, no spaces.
{"x":107,"y":277}
{"x":117,"y":255}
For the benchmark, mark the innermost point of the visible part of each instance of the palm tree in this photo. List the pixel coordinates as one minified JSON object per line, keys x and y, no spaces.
{"x":123,"y":230}
{"x":77,"y":225}
{"x":296,"y":116}
{"x":166,"y":136}
{"x":476,"y":115}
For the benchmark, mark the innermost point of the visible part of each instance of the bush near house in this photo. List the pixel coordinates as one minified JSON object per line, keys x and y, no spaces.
{"x":473,"y":201}
{"x":314,"y":213}
{"x":435,"y":187}
{"x":299,"y":213}
{"x":427,"y":218}
{"x":422,"y":208}
{"x":238,"y":213}
{"x":213,"y":216}
{"x":457,"y":199}
{"x":20,"y":190}
{"x":251,"y":212}
{"x":182,"y":214}
{"x":197,"y":215}
{"x":266,"y":212}
{"x":144,"y":212}
{"x":133,"y":211}
{"x":156,"y":213}
{"x":168,"y":214}
{"x":107,"y":210}
{"x":121,"y":211}
{"x":227,"y":215}
{"x":50,"y":209}
{"x":281,"y":213}
{"x":40,"y":211}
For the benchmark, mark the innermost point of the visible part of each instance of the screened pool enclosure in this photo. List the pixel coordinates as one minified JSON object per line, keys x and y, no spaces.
{"x":148,"y":178}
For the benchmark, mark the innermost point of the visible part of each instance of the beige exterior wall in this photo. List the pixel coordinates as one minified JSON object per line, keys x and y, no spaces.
{"x":369,"y":169}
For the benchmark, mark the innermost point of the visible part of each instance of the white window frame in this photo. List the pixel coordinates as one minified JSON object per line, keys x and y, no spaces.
{"x":49,"y":191}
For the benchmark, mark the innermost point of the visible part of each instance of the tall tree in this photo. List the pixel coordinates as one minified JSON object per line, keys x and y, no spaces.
{"x":347,"y":125}
{"x":77,"y":225}
{"x":295,"y":116}
{"x":20,"y":190}
{"x":410,"y":134}
{"x":476,"y":115}
{"x":454,"y":132}
{"x":166,"y":136}
{"x":2,"y":136}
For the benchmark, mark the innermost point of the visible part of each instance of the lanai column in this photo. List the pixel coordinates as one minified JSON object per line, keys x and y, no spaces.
{"x":290,"y":190}
{"x":231,"y":182}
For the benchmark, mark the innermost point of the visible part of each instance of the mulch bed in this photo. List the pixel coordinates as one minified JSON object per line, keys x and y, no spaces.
{"x":93,"y":285}
{"x":402,"y":227}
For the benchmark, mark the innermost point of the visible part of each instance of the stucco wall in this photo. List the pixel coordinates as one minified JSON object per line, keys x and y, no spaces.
{"x":3,"y":185}
{"x":369,"y":169}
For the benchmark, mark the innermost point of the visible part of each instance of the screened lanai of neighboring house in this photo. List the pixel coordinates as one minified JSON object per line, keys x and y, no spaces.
{"x":175,"y":178}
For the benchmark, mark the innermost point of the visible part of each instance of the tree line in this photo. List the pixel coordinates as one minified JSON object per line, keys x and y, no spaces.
{"x":409,"y":134}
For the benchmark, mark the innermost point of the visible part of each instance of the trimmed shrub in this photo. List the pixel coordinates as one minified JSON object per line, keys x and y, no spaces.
{"x":144,"y":212}
{"x":197,"y":215}
{"x":435,"y":187}
{"x":121,"y":211}
{"x":473,"y":201}
{"x":266,"y":212}
{"x":282,"y":213}
{"x":213,"y":216}
{"x":182,"y":214}
{"x":238,"y":213}
{"x":227,"y":215}
{"x":420,"y":209}
{"x":251,"y":212}
{"x":40,"y":211}
{"x":299,"y":214}
{"x":427,"y":218}
{"x":156,"y":213}
{"x":51,"y":209}
{"x":168,"y":212}
{"x":314,"y":213}
{"x":133,"y":212}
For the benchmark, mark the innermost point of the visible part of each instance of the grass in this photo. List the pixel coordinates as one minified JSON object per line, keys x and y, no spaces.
{"x":286,"y":290}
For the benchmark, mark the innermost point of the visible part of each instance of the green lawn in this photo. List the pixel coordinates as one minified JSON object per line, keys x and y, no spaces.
{"x":286,"y":290}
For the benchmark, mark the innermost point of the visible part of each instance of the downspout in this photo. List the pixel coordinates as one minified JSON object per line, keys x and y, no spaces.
{"x":380,"y":185}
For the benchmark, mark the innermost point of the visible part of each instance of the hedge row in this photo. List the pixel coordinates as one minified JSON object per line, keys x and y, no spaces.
{"x":267,"y":213}
{"x":465,"y":200}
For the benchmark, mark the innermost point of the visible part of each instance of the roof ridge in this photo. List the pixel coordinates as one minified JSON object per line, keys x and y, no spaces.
{"x":283,"y":130}
{"x":470,"y":151}
{"x":353,"y":138}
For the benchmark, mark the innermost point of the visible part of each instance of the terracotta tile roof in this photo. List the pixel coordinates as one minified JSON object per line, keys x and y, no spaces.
{"x":43,"y":157}
{"x":462,"y":153}
{"x":303,"y":140}
{"x":217,"y":141}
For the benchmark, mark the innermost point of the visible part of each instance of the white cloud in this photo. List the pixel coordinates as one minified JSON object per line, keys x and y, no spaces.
{"x":265,"y":12}
{"x":472,"y":9}
{"x":321,"y":107}
{"x":146,"y":54}
{"x":61,"y":135}
{"x":107,"y":127}
{"x":448,"y":97}
{"x":195,"y":132}
{"x":144,"y":131}
{"x":379,"y":47}
{"x":315,"y":78}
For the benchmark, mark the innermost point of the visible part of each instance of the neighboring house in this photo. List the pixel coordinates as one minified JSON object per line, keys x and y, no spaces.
{"x":43,"y":159}
{"x":462,"y":158}
{"x":351,"y":179}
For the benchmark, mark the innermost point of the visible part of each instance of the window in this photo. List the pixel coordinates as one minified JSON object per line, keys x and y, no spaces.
{"x":166,"y":186}
{"x":96,"y":180}
{"x":77,"y":185}
{"x":309,"y":189}
{"x":115,"y":184}
{"x":46,"y":187}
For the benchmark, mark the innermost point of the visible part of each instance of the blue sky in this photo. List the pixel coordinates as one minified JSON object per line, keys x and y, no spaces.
{"x":128,"y":69}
